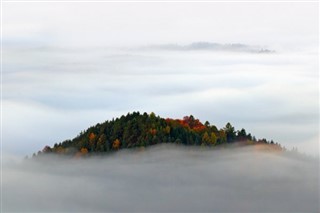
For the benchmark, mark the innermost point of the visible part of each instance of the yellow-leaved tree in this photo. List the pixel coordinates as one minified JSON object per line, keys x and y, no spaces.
{"x":116,"y":144}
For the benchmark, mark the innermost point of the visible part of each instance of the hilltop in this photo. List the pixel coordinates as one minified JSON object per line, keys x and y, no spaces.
{"x":142,"y":130}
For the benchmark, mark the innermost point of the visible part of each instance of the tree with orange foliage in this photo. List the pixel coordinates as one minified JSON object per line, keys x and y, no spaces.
{"x":153,"y":131}
{"x":92,"y":136}
{"x":84,"y":151}
{"x":81,"y":153}
{"x":92,"y":141}
{"x":116,"y":144}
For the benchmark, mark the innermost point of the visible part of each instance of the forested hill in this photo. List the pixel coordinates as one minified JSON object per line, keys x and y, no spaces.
{"x":142,"y":130}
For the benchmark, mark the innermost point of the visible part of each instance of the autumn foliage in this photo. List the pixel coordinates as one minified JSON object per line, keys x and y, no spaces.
{"x":116,"y":144}
{"x":141,"y":130}
{"x":188,"y":122}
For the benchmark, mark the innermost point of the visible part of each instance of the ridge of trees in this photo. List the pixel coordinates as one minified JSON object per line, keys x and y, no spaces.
{"x":142,"y":130}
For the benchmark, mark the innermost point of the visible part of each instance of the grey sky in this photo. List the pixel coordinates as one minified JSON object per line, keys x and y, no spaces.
{"x":67,"y":66}
{"x":98,"y":24}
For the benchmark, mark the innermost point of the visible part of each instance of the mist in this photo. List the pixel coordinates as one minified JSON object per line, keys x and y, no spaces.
{"x":164,"y":178}
{"x":51,"y":94}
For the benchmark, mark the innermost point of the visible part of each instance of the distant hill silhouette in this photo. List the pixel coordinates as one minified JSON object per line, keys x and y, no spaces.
{"x":142,"y":130}
{"x":209,"y":46}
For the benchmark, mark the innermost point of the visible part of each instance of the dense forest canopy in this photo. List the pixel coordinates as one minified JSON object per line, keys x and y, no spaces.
{"x":142,"y":130}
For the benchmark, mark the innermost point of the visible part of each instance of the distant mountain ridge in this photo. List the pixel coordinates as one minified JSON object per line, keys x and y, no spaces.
{"x":211,"y":46}
{"x":142,"y":130}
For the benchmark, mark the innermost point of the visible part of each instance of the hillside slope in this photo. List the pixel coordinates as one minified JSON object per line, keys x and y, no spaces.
{"x":142,"y":130}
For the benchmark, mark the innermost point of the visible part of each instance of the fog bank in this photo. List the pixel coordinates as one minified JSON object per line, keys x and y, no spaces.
{"x":164,"y":178}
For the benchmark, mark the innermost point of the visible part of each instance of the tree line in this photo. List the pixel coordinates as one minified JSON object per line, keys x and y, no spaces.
{"x":142,"y":130}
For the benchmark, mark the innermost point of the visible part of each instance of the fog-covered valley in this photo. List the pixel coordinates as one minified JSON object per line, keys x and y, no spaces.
{"x":163,"y":178}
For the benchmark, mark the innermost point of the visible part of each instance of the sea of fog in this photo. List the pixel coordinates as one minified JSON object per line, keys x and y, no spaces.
{"x":51,"y":94}
{"x":163,"y":178}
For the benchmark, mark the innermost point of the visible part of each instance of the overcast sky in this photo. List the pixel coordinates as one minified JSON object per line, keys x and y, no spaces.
{"x":67,"y":66}
{"x":122,"y":24}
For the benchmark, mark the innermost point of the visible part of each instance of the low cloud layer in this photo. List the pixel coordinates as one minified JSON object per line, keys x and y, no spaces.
{"x":164,"y":178}
{"x":51,"y":94}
